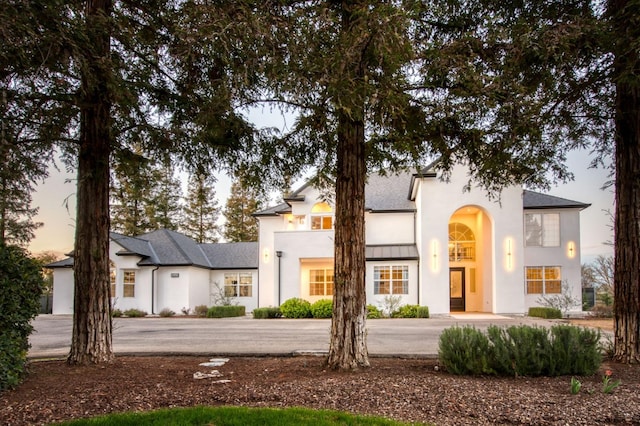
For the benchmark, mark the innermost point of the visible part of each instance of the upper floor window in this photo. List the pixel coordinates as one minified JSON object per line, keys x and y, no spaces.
{"x":462,"y":243}
{"x":321,"y":282}
{"x":321,"y":216}
{"x":542,"y":229}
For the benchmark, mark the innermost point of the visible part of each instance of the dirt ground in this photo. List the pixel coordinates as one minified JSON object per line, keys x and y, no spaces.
{"x":416,"y":390}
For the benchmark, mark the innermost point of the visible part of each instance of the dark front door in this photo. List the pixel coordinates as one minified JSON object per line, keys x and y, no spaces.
{"x":456,"y":289}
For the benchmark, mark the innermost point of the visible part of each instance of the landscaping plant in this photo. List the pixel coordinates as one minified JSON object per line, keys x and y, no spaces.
{"x":296,"y":308}
{"x":322,"y":308}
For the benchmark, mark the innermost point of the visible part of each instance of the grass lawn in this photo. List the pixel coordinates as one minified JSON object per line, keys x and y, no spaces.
{"x":235,"y":416}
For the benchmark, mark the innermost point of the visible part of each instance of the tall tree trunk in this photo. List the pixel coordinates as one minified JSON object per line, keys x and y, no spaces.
{"x":627,"y":197}
{"x":348,"y":346}
{"x":91,"y":340}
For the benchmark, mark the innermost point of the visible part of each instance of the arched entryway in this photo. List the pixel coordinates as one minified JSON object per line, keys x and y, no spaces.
{"x":470,"y":251}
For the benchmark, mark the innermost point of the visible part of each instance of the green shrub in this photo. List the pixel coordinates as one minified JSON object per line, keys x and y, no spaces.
{"x":521,"y":351}
{"x":373,"y":312}
{"x":422,"y":312}
{"x":116,"y":313}
{"x":134,"y":313}
{"x":406,"y":311}
{"x":201,"y":310}
{"x":296,"y":308}
{"x":166,"y":312}
{"x":226,"y":311}
{"x":322,"y":308}
{"x":545,"y":312}
{"x":21,"y":283}
{"x":266,"y":313}
{"x":464,"y":350}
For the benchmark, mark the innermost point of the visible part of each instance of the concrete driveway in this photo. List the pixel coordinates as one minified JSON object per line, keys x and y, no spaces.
{"x":246,"y":336}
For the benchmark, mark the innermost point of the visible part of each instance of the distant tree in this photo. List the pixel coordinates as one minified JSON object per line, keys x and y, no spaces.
{"x":164,"y":208}
{"x":599,"y":273}
{"x":201,"y":210}
{"x":131,"y":183}
{"x":242,"y":203}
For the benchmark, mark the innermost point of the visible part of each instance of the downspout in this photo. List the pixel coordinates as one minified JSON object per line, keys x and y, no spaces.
{"x":152,"y":288}
{"x":279,"y":254}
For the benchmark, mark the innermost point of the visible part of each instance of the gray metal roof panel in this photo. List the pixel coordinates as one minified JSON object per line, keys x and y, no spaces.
{"x":391,"y":251}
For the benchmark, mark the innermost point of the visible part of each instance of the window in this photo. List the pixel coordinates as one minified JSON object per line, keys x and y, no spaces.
{"x":112,"y":278}
{"x":543,"y":280}
{"x":391,"y":279}
{"x":542,"y":230}
{"x":321,"y":216}
{"x":321,"y":282}
{"x":129,"y":284}
{"x":462,"y":243}
{"x":238,"y":284}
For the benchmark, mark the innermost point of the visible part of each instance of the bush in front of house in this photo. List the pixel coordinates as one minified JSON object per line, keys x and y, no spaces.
{"x":422,"y":312}
{"x":373,"y":312}
{"x":201,"y":310}
{"x":134,"y":313}
{"x":521,"y":351}
{"x":296,"y":308}
{"x":116,"y":313}
{"x":267,"y":313}
{"x":166,"y":312}
{"x":322,"y":308}
{"x":545,"y":312}
{"x":406,"y":311}
{"x":21,"y":283}
{"x":226,"y":311}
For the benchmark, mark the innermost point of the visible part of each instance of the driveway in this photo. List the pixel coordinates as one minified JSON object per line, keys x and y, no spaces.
{"x":247,"y":336}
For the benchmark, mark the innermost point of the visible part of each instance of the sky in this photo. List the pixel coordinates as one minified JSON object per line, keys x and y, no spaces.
{"x":56,"y":201}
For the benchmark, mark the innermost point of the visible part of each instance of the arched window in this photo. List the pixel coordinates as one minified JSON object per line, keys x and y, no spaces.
{"x":321,"y":216}
{"x":462,"y":243}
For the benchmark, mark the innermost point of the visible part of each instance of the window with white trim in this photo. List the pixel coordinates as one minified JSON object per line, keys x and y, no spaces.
{"x":542,"y":229}
{"x":238,"y":284}
{"x":321,"y":216}
{"x":391,"y":279}
{"x":321,"y":282}
{"x":129,"y":283}
{"x":543,"y":279}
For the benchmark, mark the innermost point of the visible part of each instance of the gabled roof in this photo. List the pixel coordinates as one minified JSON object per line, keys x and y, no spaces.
{"x":536,"y":200}
{"x":170,"y":248}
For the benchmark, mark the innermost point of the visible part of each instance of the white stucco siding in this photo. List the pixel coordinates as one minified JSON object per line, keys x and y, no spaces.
{"x":62,"y":291}
{"x":502,"y":253}
{"x":142,"y":290}
{"x":267,"y":260}
{"x":198,"y":287}
{"x":566,"y":255}
{"x":390,"y":228}
{"x":378,"y":300}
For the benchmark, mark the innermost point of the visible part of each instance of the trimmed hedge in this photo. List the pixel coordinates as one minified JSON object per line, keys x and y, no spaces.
{"x":296,"y":308}
{"x":134,"y":313}
{"x":373,"y":312}
{"x":226,"y":311}
{"x":422,"y":312}
{"x":406,"y":311}
{"x":322,"y":308}
{"x":21,"y":283}
{"x":521,"y":350}
{"x":545,"y":312}
{"x":266,"y":313}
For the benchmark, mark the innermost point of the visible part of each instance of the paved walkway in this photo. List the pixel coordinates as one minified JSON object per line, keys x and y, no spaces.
{"x":246,"y":336}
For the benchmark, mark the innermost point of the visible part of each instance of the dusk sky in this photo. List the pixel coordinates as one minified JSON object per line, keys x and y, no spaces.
{"x":58,"y":231}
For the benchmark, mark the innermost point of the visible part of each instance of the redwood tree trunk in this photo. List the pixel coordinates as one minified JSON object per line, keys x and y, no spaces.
{"x":348,"y":347}
{"x":627,"y":161}
{"x":91,"y":340}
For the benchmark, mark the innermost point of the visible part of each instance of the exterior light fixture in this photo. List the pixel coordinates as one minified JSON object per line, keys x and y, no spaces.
{"x":571,"y":249}
{"x":266,"y":255}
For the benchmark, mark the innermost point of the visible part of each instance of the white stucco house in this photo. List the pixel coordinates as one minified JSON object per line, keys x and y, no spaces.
{"x":428,"y":241}
{"x":431,"y":243}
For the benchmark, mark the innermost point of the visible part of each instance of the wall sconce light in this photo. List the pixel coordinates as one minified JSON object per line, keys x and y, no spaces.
{"x":266,"y":255}
{"x":571,"y":249}
{"x":509,"y":254}
{"x":434,"y":255}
